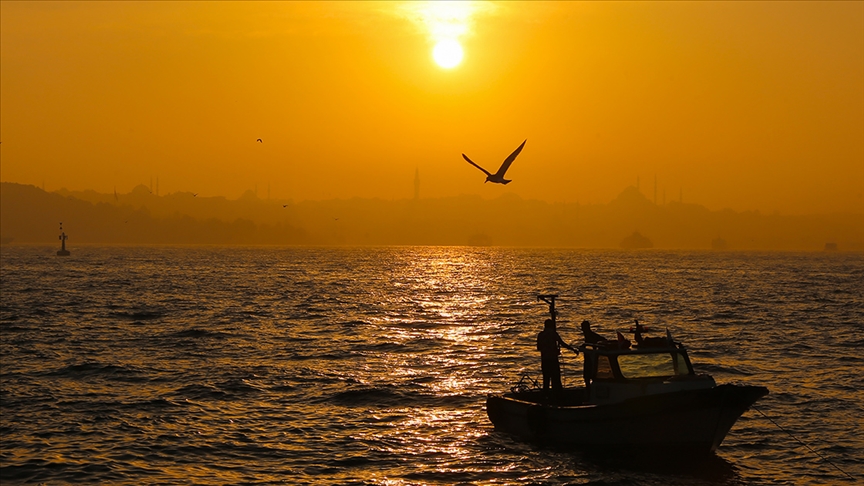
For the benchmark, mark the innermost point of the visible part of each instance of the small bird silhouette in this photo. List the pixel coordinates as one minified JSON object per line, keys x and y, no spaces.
{"x":194,"y":194}
{"x":498,"y":177}
{"x":260,"y":141}
{"x":284,"y":205}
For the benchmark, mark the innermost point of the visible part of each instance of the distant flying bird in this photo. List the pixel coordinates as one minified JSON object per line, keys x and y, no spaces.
{"x":498,"y":177}
{"x":260,"y":141}
{"x":284,"y":205}
{"x":194,"y":194}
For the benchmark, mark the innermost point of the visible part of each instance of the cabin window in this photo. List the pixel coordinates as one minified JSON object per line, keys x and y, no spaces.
{"x":652,"y":365}
{"x":604,"y":368}
{"x":680,"y":364}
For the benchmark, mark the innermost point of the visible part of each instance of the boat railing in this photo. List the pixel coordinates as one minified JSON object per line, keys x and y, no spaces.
{"x":526,"y":383}
{"x":612,"y":348}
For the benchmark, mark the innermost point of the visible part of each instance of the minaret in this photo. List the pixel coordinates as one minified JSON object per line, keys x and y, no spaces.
{"x":416,"y":184}
{"x":655,"y":189}
{"x":62,"y":251}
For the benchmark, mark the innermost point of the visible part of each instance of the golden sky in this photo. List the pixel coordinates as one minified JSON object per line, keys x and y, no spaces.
{"x":728,"y":104}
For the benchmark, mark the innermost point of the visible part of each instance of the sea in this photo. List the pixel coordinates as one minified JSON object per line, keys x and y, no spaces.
{"x":371,"y":366}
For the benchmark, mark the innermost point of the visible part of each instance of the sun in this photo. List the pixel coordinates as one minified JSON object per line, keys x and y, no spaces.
{"x":447,"y":53}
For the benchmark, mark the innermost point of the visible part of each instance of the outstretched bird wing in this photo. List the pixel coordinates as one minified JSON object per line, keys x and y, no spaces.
{"x":509,"y":160}
{"x":475,"y":165}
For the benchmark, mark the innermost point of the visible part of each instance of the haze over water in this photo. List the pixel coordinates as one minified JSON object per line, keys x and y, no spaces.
{"x":371,"y":365}
{"x":741,"y":105}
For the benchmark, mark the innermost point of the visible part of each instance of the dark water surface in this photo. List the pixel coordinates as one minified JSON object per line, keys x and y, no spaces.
{"x":371,"y":365}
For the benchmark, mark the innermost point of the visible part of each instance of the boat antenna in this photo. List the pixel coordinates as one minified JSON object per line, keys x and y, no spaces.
{"x":550,"y":299}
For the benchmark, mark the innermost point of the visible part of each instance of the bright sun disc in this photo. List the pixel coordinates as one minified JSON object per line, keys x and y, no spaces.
{"x":447,"y":53}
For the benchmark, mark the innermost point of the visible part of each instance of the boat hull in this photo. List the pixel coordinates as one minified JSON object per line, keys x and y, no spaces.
{"x":693,"y":420}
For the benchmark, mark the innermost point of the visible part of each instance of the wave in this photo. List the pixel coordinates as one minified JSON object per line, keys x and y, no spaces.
{"x":226,"y":390}
{"x":197,"y":333}
{"x":144,"y":315}
{"x":720,"y":369}
{"x":353,"y":323}
{"x":7,"y":326}
{"x":372,"y":396}
{"x":201,"y":392}
{"x":394,"y":396}
{"x":383,"y":347}
{"x":91,"y":369}
{"x":150,"y":404}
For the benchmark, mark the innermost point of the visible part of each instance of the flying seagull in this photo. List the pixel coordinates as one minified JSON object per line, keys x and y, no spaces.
{"x":498,"y":177}
{"x":260,"y":141}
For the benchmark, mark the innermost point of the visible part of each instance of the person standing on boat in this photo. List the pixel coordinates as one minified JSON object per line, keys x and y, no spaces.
{"x":591,"y":336}
{"x":549,"y":344}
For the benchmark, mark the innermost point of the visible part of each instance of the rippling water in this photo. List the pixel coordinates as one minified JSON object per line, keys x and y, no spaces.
{"x":371,"y":365}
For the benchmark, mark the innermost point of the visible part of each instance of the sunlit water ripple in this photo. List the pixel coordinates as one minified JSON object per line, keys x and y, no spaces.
{"x":371,"y":365}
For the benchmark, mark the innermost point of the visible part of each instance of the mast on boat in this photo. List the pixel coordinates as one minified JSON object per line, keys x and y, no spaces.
{"x":550,"y":299}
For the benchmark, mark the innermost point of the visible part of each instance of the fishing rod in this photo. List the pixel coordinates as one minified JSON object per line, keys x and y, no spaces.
{"x":802,"y":443}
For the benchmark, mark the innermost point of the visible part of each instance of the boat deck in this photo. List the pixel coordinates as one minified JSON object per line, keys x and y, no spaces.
{"x":570,"y":397}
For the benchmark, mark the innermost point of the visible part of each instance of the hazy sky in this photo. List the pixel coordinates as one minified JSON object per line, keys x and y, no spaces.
{"x":732,"y":104}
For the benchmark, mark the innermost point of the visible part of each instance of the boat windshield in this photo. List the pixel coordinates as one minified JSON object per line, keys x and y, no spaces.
{"x":604,"y":368}
{"x":654,"y":365}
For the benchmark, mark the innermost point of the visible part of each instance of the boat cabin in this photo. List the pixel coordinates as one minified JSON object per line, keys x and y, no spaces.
{"x":615,"y":374}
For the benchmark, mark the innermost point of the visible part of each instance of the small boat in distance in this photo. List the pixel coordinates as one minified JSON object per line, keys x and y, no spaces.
{"x":647,"y":397}
{"x":63,"y":251}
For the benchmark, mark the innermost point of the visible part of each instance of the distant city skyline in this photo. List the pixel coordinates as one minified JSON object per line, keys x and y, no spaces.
{"x":28,"y":215}
{"x":153,"y":188}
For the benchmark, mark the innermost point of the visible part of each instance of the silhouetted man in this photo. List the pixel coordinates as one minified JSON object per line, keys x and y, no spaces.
{"x":549,"y":344}
{"x":591,"y":336}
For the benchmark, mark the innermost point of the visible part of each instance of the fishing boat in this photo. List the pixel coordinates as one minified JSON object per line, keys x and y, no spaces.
{"x":644,"y":396}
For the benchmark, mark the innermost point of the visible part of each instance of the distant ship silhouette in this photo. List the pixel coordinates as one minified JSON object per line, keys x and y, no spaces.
{"x":63,"y":251}
{"x":636,"y":242}
{"x":498,"y":177}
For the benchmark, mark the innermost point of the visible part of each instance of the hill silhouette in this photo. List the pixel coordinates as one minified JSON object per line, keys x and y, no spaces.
{"x":31,"y":216}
